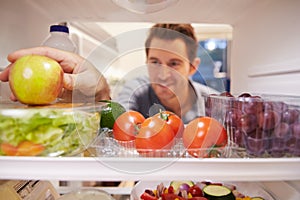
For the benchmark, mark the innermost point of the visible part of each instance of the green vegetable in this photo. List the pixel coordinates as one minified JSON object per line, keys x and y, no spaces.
{"x":110,"y":113}
{"x":60,"y":131}
{"x":218,"y":192}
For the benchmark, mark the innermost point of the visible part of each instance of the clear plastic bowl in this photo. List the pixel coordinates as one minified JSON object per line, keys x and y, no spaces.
{"x":106,"y":146}
{"x":55,"y":130}
{"x":260,"y":125}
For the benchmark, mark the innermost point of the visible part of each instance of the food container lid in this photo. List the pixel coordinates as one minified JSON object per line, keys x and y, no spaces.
{"x":83,"y":194}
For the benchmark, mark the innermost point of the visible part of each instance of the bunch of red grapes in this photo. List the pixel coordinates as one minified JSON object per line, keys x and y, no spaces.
{"x":259,"y":125}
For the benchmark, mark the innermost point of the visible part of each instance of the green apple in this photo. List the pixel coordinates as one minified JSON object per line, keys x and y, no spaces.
{"x":36,"y":80}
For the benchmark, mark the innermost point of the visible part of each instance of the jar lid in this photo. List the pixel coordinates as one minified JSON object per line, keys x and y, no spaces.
{"x":59,"y":28}
{"x":91,"y":194}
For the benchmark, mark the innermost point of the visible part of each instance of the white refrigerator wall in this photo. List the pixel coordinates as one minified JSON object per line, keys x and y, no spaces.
{"x":22,"y":26}
{"x":265,"y":53}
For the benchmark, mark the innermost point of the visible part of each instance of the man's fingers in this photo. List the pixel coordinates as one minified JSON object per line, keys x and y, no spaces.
{"x":43,"y":51}
{"x":4,"y":74}
{"x":13,"y":97}
{"x":67,"y":60}
{"x":69,"y":81}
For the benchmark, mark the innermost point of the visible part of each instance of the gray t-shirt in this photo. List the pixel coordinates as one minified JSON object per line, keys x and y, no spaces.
{"x":137,"y":94}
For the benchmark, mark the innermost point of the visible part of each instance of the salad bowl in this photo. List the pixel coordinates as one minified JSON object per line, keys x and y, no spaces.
{"x":61,"y":129}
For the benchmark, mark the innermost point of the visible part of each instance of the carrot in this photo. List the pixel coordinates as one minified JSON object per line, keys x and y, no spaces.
{"x":28,"y":148}
{"x":8,"y":149}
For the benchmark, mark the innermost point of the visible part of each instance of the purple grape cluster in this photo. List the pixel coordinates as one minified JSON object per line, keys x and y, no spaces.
{"x":257,"y":124}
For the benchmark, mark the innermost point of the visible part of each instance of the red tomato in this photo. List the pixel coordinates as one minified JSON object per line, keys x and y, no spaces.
{"x":195,"y":191}
{"x":202,"y":134}
{"x":146,"y":196}
{"x":173,"y":120}
{"x":127,"y":125}
{"x":167,"y":196}
{"x":171,"y":189}
{"x":155,"y":134}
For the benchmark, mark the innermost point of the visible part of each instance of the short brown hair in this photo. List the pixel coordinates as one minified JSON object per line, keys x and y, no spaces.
{"x":172,"y":32}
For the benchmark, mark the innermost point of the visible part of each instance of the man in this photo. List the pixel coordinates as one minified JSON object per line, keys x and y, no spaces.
{"x":171,"y":58}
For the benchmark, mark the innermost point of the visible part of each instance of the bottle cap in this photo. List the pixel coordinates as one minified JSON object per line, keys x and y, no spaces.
{"x":59,"y":28}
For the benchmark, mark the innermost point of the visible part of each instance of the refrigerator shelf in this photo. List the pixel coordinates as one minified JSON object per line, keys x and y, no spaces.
{"x":116,"y":169}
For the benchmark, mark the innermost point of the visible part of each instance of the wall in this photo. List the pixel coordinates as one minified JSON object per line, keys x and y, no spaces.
{"x":266,"y":50}
{"x":22,"y":26}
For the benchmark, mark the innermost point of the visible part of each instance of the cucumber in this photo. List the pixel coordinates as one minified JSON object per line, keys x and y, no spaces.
{"x":176,"y":184}
{"x":218,"y":192}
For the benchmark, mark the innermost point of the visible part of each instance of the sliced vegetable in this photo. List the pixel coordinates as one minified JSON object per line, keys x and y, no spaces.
{"x":27,"y":148}
{"x":177,"y":184}
{"x":195,"y":191}
{"x":167,"y":196}
{"x":8,"y":149}
{"x":218,"y":192}
{"x":171,"y":189}
{"x":147,"y":196}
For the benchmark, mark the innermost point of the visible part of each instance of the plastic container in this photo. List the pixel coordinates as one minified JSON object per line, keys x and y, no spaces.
{"x":59,"y":38}
{"x":56,"y":130}
{"x":106,"y":146}
{"x":87,"y":194}
{"x":259,"y":125}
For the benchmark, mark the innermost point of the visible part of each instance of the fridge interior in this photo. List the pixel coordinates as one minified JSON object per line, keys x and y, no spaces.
{"x":264,"y":58}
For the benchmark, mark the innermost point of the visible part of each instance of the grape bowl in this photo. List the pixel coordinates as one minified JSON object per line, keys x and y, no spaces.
{"x":258,"y":125}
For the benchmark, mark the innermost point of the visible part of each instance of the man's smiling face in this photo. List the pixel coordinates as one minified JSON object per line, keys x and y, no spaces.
{"x":168,"y":67}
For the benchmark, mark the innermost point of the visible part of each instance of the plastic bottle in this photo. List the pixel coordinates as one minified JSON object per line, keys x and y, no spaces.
{"x":59,"y":38}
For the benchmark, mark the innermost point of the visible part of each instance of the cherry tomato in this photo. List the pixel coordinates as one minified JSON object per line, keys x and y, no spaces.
{"x":195,"y":191}
{"x":173,"y":120}
{"x":28,"y":148}
{"x":202,"y":135}
{"x":198,"y":198}
{"x":127,"y":125}
{"x":171,"y":189}
{"x":155,"y":134}
{"x":147,"y":196}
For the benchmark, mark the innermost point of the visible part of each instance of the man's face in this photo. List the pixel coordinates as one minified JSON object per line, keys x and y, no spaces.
{"x":168,"y":67}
